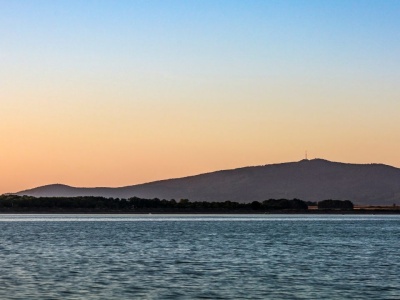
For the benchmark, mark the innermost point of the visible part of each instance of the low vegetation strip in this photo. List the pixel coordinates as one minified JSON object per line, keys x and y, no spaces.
{"x":336,"y":204}
{"x":134,"y":204}
{"x":28,"y":204}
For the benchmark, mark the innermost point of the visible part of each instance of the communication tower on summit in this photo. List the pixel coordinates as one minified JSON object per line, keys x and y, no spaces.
{"x":306,"y":155}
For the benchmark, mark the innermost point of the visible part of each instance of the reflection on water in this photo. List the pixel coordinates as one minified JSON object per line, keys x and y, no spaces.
{"x":186,"y":217}
{"x":199,"y":256}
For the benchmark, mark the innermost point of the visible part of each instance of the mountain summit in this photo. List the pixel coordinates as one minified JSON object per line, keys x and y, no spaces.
{"x":309,"y":180}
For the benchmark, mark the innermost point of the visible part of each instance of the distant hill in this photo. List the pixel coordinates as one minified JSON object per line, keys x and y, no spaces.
{"x":309,"y":180}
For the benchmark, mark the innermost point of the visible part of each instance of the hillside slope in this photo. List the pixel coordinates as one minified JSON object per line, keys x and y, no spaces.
{"x":310,"y":180}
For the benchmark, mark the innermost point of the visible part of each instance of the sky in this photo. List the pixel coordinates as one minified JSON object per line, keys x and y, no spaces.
{"x":115,"y":93}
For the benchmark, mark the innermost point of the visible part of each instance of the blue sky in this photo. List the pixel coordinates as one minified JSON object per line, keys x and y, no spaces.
{"x":212,"y":38}
{"x":205,"y":85}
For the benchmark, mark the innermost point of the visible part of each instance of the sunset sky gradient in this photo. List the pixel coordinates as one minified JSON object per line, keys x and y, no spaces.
{"x":114,"y":93}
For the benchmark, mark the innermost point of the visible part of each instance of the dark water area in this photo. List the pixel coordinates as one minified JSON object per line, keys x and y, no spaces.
{"x":199,"y":257}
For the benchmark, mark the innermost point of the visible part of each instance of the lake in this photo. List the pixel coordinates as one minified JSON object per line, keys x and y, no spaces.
{"x":199,"y":256}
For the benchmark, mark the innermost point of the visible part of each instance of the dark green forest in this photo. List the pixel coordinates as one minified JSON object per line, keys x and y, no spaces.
{"x":336,"y":204}
{"x":14,"y":203}
{"x":138,"y":205}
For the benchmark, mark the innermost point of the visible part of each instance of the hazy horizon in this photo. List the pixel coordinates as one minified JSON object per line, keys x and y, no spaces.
{"x":197,"y":174}
{"x":104,"y":93}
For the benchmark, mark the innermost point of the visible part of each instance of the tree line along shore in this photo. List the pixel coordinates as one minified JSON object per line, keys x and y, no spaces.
{"x":88,"y":204}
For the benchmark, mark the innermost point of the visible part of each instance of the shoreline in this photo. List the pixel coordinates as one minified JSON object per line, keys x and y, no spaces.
{"x":156,"y":212}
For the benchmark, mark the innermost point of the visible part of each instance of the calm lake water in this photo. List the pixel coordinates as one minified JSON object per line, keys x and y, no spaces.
{"x":199,"y":257}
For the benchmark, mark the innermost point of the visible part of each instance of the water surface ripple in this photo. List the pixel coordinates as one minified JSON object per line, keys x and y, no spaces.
{"x":199,"y":257}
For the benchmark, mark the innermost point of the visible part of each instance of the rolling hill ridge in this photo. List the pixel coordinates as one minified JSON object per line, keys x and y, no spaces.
{"x":309,"y":180}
